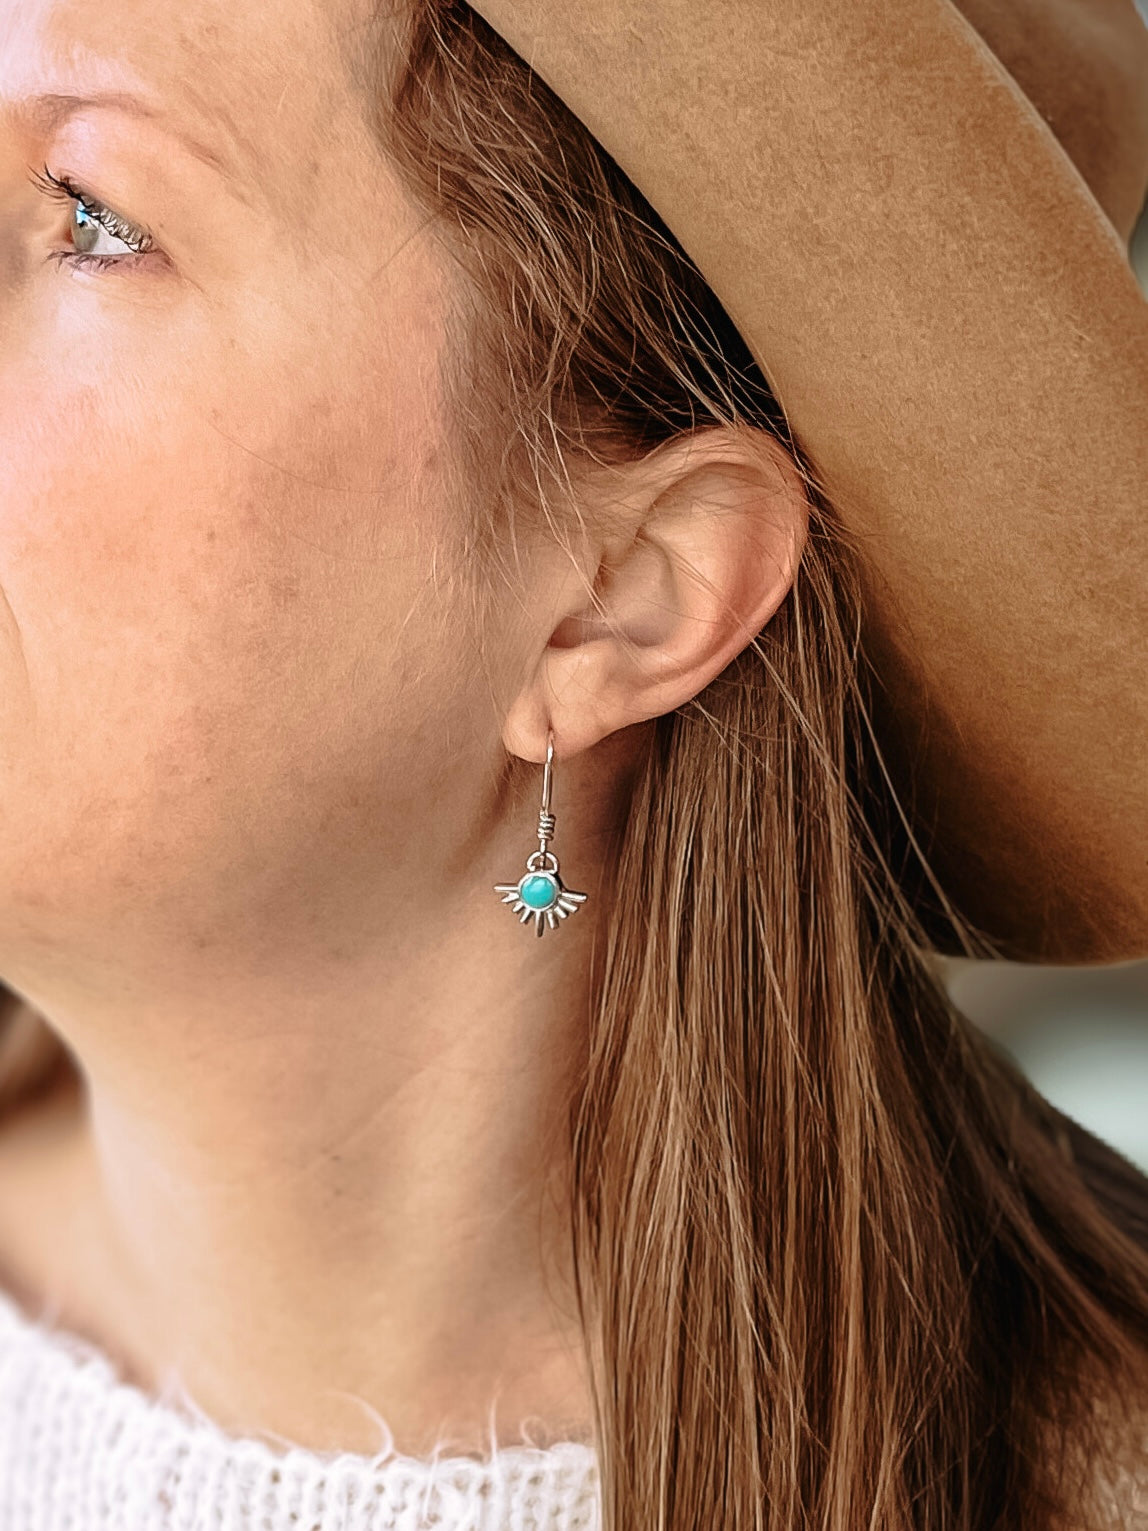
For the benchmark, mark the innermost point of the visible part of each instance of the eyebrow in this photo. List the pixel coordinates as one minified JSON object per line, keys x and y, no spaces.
{"x":46,"y":112}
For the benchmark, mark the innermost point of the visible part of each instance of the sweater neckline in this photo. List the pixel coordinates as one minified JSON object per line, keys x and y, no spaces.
{"x":73,"y":1428}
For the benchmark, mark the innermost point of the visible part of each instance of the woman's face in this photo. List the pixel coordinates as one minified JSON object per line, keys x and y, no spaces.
{"x":228,"y":640}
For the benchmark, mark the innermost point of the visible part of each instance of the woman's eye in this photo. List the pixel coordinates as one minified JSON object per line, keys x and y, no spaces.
{"x":88,"y":230}
{"x":95,"y":229}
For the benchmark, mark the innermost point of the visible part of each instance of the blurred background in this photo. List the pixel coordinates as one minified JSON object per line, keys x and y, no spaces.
{"x":1081,"y":1034}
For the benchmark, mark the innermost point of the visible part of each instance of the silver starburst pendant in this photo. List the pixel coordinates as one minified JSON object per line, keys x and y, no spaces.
{"x":539,"y":894}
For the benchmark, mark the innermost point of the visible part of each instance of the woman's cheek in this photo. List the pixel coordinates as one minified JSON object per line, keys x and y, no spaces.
{"x":218,"y":549}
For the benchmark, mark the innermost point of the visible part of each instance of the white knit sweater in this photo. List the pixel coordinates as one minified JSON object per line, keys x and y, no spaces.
{"x":82,"y":1450}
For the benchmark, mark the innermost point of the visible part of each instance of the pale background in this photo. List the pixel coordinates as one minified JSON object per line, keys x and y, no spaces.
{"x":1081,"y":1034}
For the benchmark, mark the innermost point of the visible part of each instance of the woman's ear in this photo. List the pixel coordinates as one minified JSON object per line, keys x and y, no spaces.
{"x":711,"y":528}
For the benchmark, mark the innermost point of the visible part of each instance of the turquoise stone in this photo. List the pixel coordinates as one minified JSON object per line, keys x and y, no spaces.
{"x":538,"y":891}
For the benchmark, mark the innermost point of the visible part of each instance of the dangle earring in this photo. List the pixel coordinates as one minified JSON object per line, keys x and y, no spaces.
{"x":539,"y":892}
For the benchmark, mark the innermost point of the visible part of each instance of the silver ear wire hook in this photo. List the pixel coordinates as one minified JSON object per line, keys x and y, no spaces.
{"x":539,"y":894}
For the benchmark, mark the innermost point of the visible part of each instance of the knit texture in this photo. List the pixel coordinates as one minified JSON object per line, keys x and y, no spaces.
{"x":83,"y":1450}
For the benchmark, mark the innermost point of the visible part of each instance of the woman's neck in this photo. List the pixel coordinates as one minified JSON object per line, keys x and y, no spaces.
{"x":303,"y":1256}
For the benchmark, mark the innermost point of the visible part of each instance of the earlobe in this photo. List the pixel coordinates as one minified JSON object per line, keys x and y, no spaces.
{"x":720,"y":523}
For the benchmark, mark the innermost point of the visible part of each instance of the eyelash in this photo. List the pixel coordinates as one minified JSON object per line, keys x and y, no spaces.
{"x":62,"y":189}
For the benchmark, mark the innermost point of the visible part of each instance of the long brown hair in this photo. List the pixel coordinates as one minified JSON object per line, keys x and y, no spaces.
{"x":839,"y":1266}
